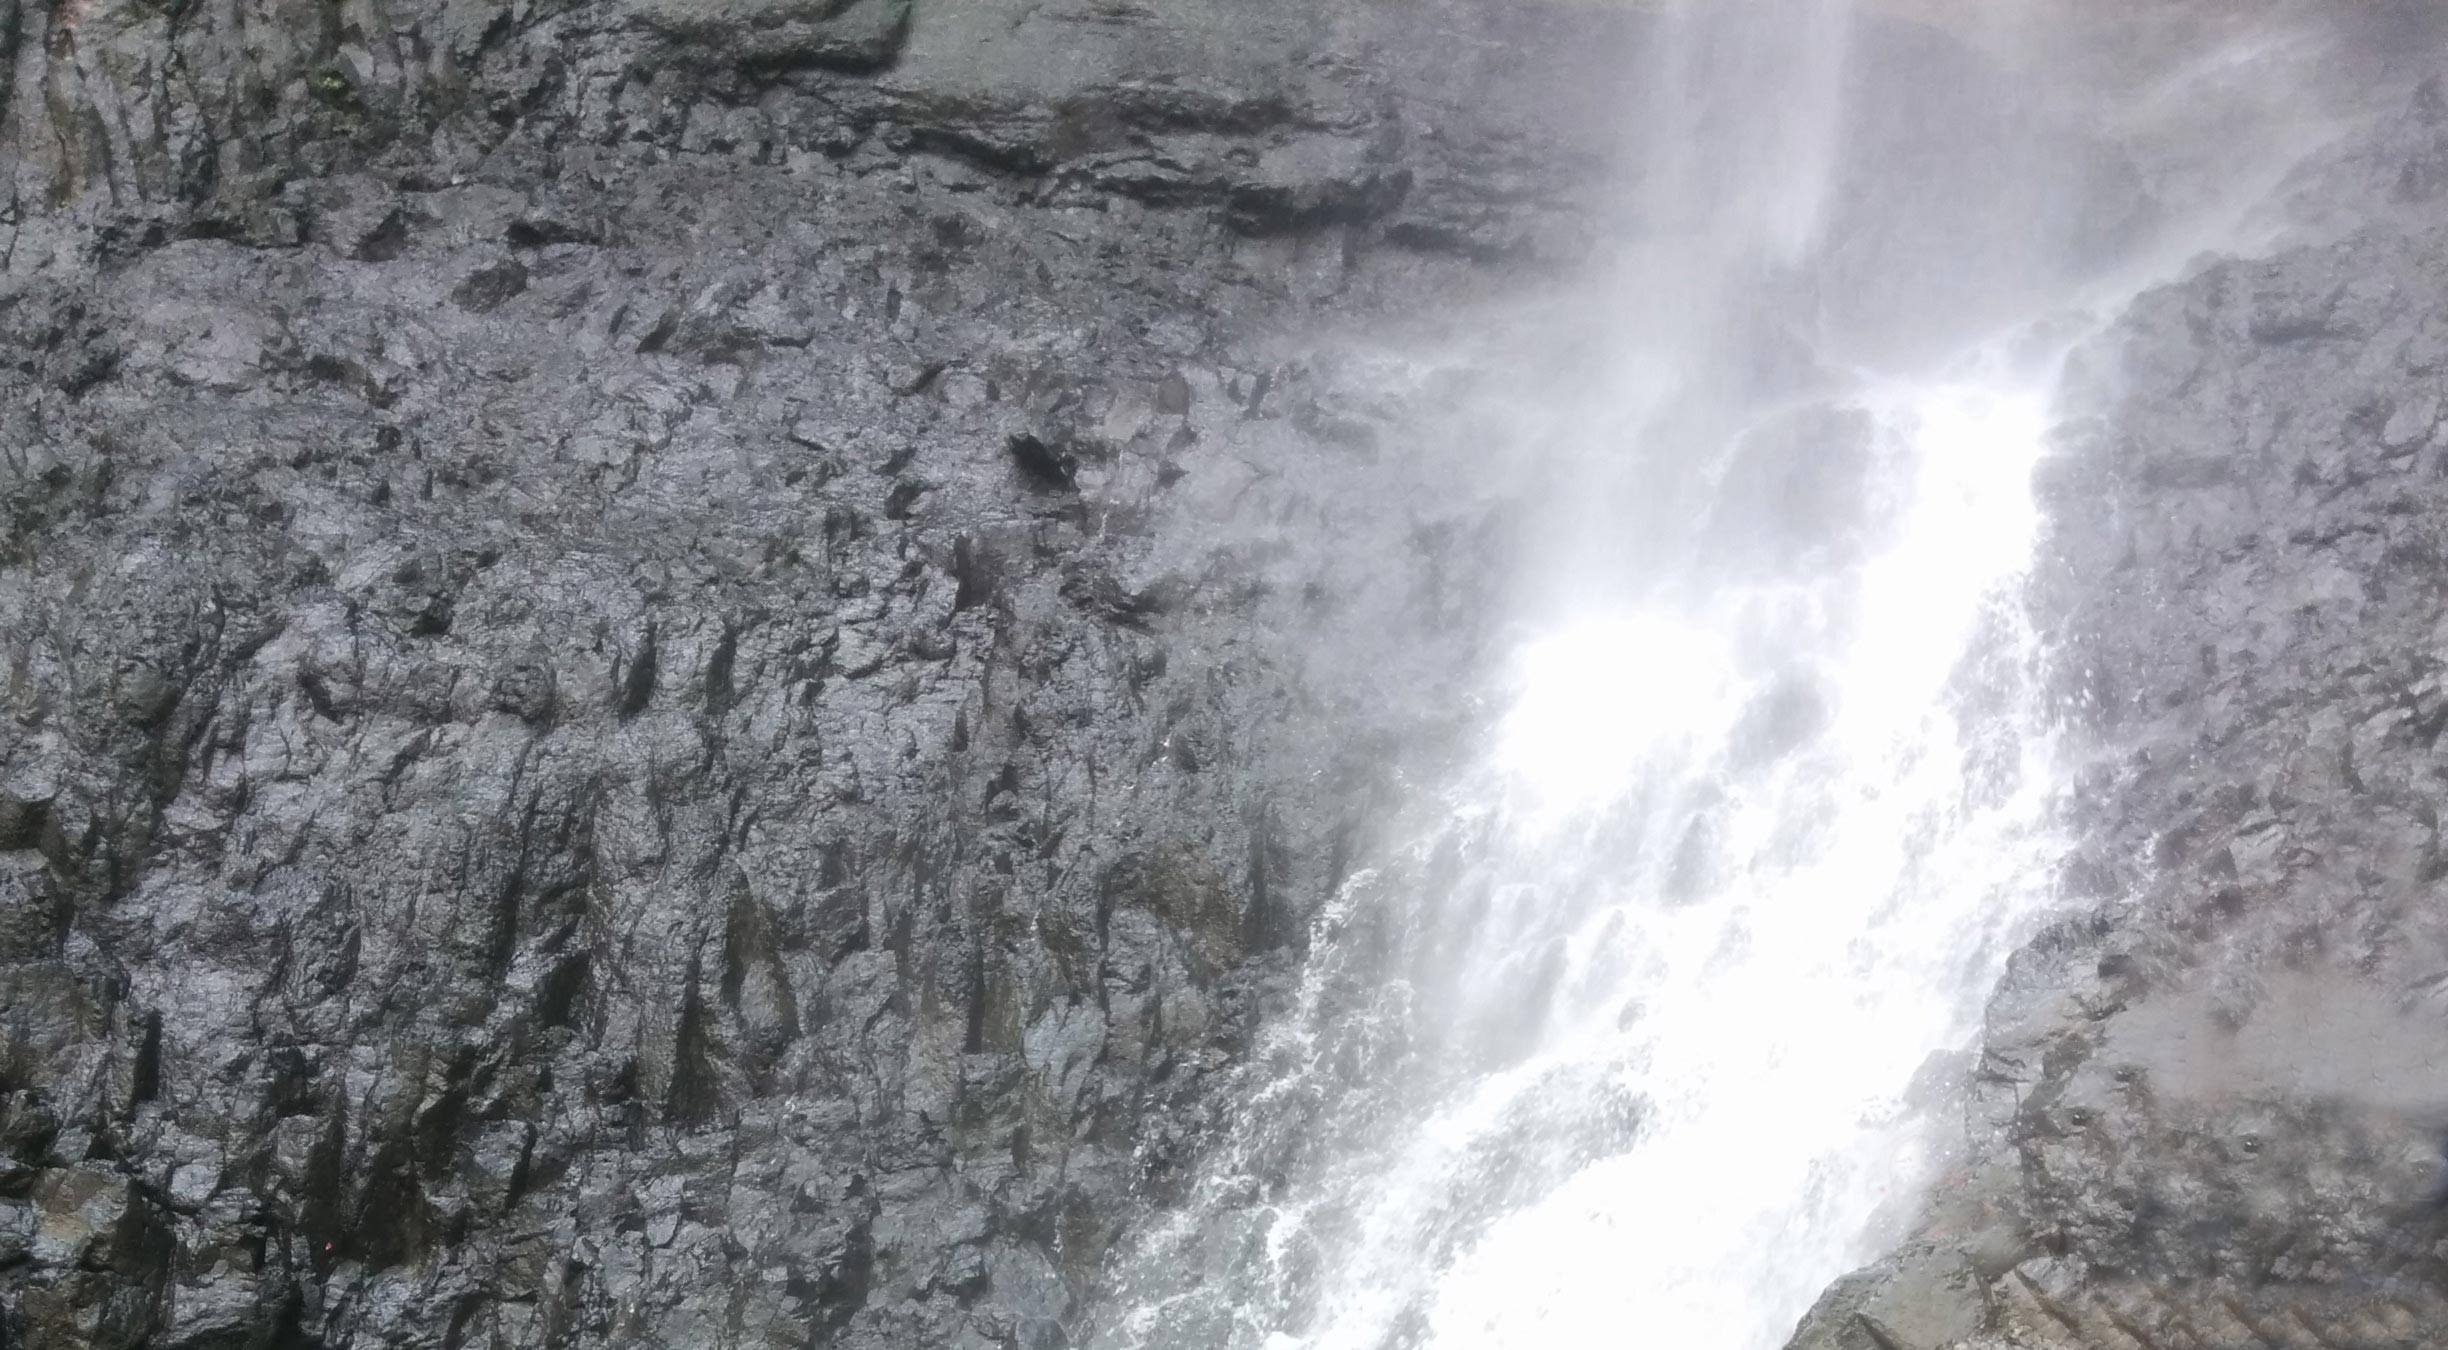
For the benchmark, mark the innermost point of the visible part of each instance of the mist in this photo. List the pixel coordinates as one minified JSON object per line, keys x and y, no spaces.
{"x":1654,"y":1026}
{"x":1176,"y":675}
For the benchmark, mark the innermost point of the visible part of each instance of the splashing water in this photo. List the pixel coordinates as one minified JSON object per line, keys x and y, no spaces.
{"x":1850,"y":909}
{"x":1628,"y":1048}
{"x":1617,"y":1054}
{"x":1599,"y":697}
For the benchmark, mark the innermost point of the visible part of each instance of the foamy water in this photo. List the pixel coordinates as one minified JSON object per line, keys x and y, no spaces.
{"x":1633,"y":1045}
{"x":1635,"y":1072}
{"x":1854,"y":903}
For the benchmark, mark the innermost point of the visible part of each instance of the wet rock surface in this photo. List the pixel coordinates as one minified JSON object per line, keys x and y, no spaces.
{"x":678,"y":672}
{"x":2211,"y":1104}
{"x":659,"y":656}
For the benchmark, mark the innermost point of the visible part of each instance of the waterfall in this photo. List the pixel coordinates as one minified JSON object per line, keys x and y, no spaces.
{"x":1643,"y":1040}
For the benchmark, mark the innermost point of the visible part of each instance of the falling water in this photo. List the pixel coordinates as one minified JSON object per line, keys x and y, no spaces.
{"x":1640,"y":1041}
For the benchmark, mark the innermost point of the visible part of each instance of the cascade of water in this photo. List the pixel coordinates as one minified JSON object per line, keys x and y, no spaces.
{"x":1623,"y":1050}
{"x":1841,"y":823}
{"x":1737,"y":109}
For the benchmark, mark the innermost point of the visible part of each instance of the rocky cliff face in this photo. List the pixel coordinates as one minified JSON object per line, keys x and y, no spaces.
{"x":2210,"y":1107}
{"x":679,"y":671}
{"x":661,"y":657}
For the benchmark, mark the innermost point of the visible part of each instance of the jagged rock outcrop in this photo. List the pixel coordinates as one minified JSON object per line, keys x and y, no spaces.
{"x":656,"y":653}
{"x":2210,"y":1106}
{"x":678,"y":670}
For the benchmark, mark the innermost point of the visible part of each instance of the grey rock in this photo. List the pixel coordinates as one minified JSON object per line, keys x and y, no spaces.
{"x":568,"y":777}
{"x":562,"y":781}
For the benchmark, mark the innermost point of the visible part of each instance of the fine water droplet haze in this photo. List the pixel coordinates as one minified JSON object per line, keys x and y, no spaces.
{"x":1640,"y":1039}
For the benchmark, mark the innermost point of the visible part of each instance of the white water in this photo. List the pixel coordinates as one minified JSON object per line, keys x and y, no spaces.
{"x":1695,"y":1112}
{"x":1863,"y":893}
{"x":1634,"y":1046}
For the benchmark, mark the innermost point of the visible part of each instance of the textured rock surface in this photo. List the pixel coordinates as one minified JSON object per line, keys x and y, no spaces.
{"x":2210,"y":1108}
{"x":676,"y":670}
{"x":654,"y":651}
